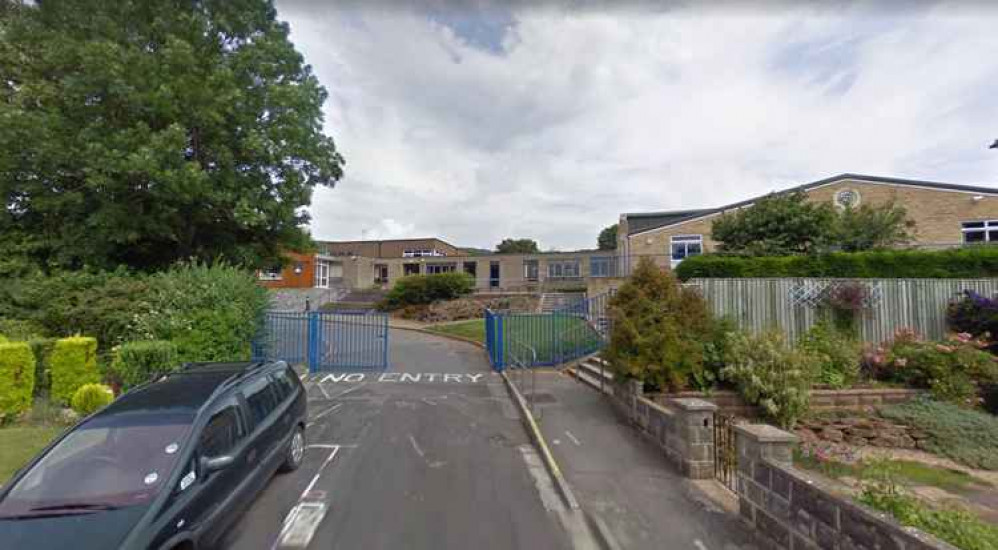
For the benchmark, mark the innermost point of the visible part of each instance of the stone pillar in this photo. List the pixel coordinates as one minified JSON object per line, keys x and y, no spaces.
{"x":695,"y":431}
{"x":764,"y":491}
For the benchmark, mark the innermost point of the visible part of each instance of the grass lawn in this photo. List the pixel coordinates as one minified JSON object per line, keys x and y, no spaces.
{"x":19,"y":443}
{"x":472,"y":330}
{"x":908,"y":473}
{"x":552,"y":337}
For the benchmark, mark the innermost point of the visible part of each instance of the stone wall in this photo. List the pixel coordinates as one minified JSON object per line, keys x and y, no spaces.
{"x":731,"y":403}
{"x":682,"y":428}
{"x":792,"y":511}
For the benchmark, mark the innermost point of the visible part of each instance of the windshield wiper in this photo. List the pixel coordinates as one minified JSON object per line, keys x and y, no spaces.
{"x":96,"y":506}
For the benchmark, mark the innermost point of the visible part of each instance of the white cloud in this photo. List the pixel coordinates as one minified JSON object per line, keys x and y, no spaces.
{"x":580,"y":117}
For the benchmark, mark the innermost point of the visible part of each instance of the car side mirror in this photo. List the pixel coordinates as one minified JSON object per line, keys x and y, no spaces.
{"x":216,"y":463}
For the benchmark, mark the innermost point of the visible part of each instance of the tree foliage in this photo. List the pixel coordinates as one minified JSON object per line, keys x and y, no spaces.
{"x":607,"y":239}
{"x":788,"y":223}
{"x":139,"y":132}
{"x":659,"y":328}
{"x":517,"y":246}
{"x":784,"y":223}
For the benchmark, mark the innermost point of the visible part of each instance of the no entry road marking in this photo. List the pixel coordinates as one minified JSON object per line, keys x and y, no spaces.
{"x":303,"y":520}
{"x":403,"y":378}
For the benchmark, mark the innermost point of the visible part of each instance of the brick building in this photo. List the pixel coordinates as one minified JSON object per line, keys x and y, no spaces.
{"x":944,"y":214}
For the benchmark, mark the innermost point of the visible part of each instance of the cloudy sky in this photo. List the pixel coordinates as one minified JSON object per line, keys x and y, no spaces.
{"x":475,"y":124}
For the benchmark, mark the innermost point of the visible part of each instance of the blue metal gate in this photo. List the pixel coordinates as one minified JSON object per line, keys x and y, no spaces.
{"x":335,"y":340}
{"x":547,"y":339}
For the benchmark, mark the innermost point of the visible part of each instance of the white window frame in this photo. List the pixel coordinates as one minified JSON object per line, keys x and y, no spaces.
{"x":421,"y":252}
{"x":556,"y":269}
{"x":684,"y":241}
{"x":379,"y":270}
{"x":531,"y":271}
{"x":272,"y":274}
{"x":321,"y":274}
{"x":987,"y":226}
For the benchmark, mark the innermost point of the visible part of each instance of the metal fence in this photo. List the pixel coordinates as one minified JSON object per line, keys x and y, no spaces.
{"x":793,"y":305}
{"x":547,"y":339}
{"x":325,"y":340}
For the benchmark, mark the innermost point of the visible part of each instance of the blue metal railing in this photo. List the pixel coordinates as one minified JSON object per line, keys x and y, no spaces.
{"x":322,"y":340}
{"x":554,"y":338}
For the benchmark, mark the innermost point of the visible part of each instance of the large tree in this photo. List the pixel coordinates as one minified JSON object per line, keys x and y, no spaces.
{"x":142,"y":131}
{"x":607,"y":239}
{"x":783,"y":223}
{"x":870,"y":227}
{"x":517,"y":246}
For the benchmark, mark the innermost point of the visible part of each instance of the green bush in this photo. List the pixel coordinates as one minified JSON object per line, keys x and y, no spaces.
{"x":426,"y":289}
{"x":716,"y":348}
{"x":968,"y":262}
{"x":838,"y":354}
{"x":951,"y":369}
{"x":211,"y":312}
{"x":138,"y":362}
{"x":17,"y":379}
{"x":42,"y":348}
{"x":88,"y":398}
{"x":960,"y":528}
{"x":771,"y":374}
{"x":73,"y":363}
{"x":659,"y":328}
{"x":99,"y":304}
{"x":19,"y":330}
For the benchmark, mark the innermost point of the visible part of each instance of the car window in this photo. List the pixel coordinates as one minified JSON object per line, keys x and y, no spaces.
{"x":260,"y":398}
{"x":115,"y":460}
{"x":222,"y":432}
{"x":283,"y":385}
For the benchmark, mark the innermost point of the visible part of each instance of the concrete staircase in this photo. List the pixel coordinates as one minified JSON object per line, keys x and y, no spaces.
{"x":594,"y":371}
{"x":554,"y":301}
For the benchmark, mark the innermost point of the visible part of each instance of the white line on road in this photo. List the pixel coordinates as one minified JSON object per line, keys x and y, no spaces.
{"x":322,"y":389}
{"x":699,"y":545}
{"x":428,"y":402}
{"x":303,"y":520}
{"x":315,"y":479}
{"x":573,"y":438}
{"x":416,"y":446}
{"x":324,"y":413}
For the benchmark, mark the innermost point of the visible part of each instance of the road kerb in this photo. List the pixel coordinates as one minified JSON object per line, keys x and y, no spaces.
{"x":538,"y":438}
{"x":602,"y":531}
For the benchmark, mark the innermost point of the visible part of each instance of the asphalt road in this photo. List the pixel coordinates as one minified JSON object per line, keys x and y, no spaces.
{"x":429,"y":454}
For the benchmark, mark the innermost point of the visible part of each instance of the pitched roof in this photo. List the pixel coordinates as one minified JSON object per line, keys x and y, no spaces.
{"x":639,"y":222}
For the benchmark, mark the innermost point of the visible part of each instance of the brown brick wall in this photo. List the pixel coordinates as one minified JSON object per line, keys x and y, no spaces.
{"x":288,"y":277}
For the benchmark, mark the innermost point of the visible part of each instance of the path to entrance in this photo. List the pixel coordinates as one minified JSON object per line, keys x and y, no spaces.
{"x":640,"y":497}
{"x":427,"y":455}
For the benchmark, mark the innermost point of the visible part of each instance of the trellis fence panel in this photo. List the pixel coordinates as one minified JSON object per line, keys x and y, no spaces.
{"x":794,"y":305}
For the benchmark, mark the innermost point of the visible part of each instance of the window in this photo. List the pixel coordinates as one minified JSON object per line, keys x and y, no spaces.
{"x":980,"y":232}
{"x":222,"y":433}
{"x":530,"y":270}
{"x":410,"y":269}
{"x":381,"y":273}
{"x":494,"y":275}
{"x":283,"y":386}
{"x":433,"y":269}
{"x":271,"y":274}
{"x":563,"y":269}
{"x":261,"y":399}
{"x":419,"y":253}
{"x":684,"y":246}
{"x":602,"y":266}
{"x":471,"y":268}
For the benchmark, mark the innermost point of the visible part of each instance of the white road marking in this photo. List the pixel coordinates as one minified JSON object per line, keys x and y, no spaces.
{"x":322,"y":389}
{"x":428,"y":402}
{"x":323,"y":413}
{"x":699,"y":545}
{"x":416,"y":446}
{"x":402,"y":377}
{"x":303,"y":520}
{"x":573,"y":438}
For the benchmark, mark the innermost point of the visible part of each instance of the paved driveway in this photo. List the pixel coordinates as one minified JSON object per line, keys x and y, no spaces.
{"x":429,"y":454}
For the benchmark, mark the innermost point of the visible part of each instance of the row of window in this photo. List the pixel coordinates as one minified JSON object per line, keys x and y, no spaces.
{"x":419,"y":253}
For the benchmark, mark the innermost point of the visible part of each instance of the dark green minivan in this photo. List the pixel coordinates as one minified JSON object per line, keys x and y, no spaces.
{"x":169,"y":465}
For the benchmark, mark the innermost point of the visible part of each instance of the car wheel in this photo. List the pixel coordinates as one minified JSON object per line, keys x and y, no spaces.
{"x":296,"y":451}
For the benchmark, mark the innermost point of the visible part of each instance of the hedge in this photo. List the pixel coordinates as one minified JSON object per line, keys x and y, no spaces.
{"x":42,"y":350}
{"x":17,"y":378}
{"x":955,"y":263}
{"x":426,"y":289}
{"x":72,"y":364}
{"x":137,"y":362}
{"x":88,"y":398}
